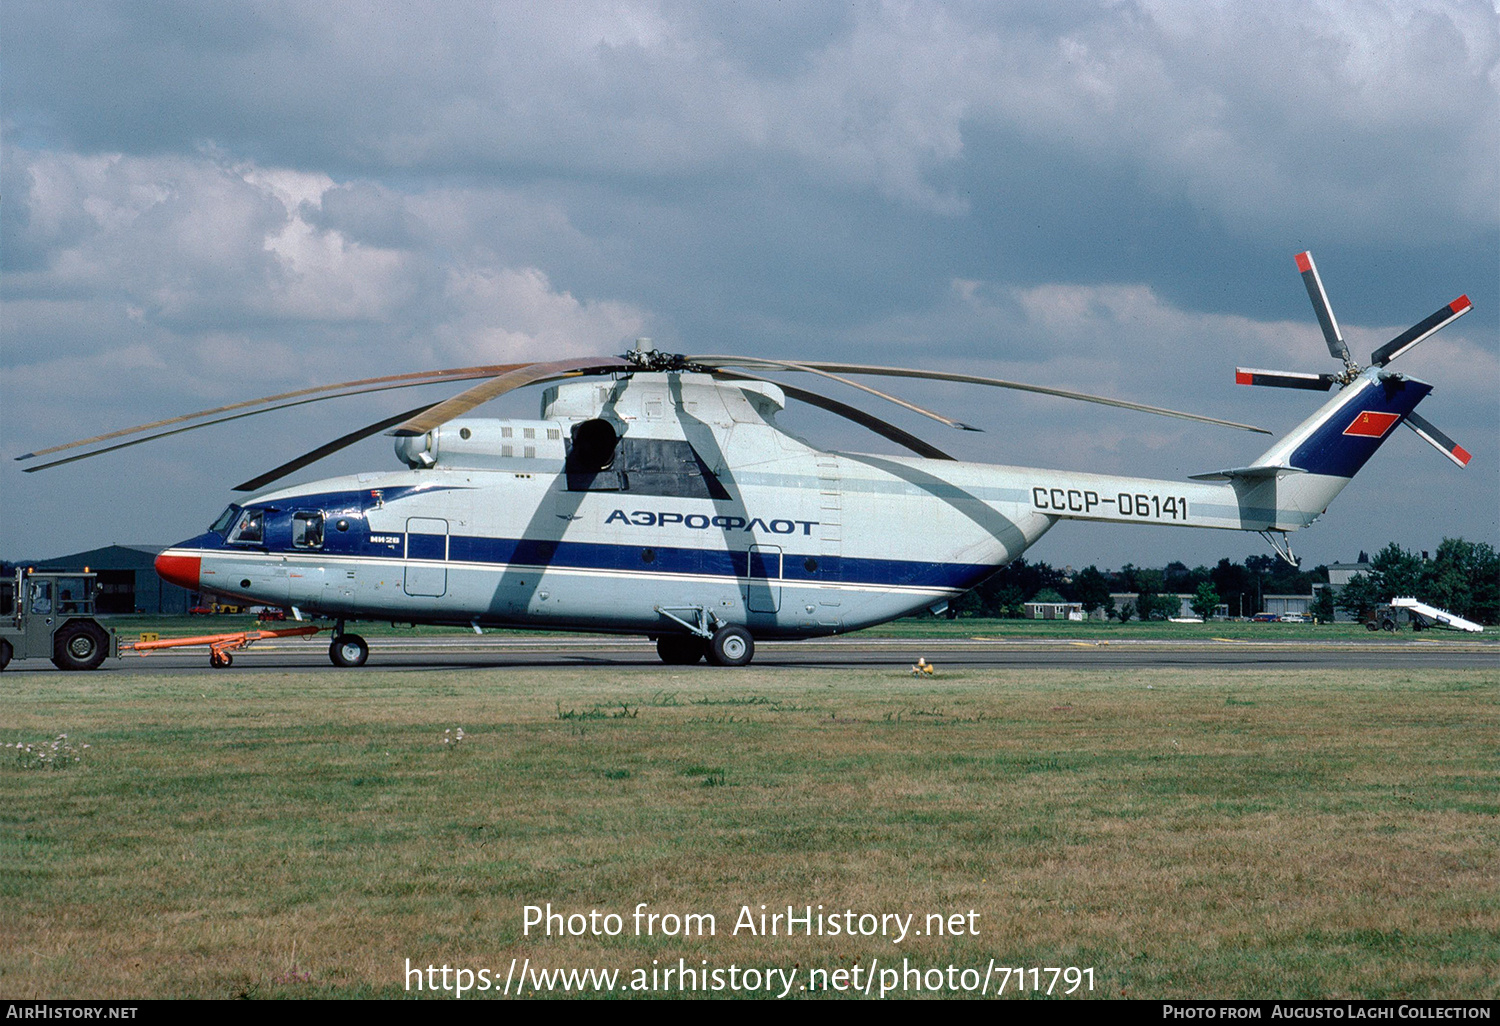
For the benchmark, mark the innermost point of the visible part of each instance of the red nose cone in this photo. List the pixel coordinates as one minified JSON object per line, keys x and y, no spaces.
{"x":179,"y":570}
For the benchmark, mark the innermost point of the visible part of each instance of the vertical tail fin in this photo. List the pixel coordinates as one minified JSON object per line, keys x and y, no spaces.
{"x":1341,"y":437}
{"x":1320,"y":456}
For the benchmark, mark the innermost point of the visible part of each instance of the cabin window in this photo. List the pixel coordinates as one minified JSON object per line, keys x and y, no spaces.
{"x":226,"y":519}
{"x":307,"y":530}
{"x":250,"y":530}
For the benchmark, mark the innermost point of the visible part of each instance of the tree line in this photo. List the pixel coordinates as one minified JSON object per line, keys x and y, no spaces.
{"x":1462,"y":577}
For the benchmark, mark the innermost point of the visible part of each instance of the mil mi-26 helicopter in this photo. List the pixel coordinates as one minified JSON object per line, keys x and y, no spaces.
{"x":657,"y":495}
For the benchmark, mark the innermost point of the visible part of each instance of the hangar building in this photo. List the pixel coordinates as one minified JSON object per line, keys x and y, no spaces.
{"x":127,"y":579}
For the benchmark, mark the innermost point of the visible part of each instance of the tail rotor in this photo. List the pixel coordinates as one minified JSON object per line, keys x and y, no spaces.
{"x":1339,"y":350}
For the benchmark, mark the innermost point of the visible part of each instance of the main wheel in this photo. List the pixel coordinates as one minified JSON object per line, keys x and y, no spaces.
{"x":80,"y":646}
{"x":731,"y":646}
{"x":680,"y":650}
{"x":348,"y":650}
{"x":6,"y":653}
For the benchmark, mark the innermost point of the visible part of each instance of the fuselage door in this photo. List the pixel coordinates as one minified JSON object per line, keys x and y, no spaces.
{"x":763,"y":581}
{"x":426,"y":556}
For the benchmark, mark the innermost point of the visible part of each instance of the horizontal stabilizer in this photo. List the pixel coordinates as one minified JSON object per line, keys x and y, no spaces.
{"x":1283,"y":379}
{"x":1245,"y":472}
{"x":1439,"y":441}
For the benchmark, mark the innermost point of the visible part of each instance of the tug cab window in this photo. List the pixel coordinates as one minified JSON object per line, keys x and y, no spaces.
{"x":251,"y":529}
{"x":307,"y":530}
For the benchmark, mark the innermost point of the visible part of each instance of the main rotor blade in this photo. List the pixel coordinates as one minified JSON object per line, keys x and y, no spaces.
{"x":1439,"y":441}
{"x":342,"y":442}
{"x":526,"y":374}
{"x":1330,"y":325}
{"x":858,"y":416}
{"x":224,"y":420}
{"x":970,"y":379}
{"x":417,"y":378}
{"x":1283,"y":379}
{"x":822,"y":371}
{"x":1417,"y":332}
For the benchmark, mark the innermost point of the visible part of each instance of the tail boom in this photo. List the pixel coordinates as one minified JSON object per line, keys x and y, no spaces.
{"x":1287,"y":488}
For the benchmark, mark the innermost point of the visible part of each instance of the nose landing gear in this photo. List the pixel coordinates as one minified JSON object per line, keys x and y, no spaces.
{"x":347,"y":650}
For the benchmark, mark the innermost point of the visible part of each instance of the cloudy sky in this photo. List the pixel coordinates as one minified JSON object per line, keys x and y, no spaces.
{"x":202,"y":202}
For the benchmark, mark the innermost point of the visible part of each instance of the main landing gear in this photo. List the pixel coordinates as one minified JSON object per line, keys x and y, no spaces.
{"x":723,"y":644}
{"x":347,"y":650}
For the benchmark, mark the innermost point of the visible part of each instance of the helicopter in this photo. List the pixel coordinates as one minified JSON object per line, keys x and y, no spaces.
{"x":657,"y":494}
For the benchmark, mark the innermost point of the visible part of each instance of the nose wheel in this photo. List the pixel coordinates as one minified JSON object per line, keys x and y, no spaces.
{"x":349,"y":651}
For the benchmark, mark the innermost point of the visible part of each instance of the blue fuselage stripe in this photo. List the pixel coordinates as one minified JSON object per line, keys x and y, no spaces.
{"x":816,"y":568}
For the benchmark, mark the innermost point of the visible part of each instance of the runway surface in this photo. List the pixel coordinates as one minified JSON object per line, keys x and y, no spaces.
{"x":388,"y":654}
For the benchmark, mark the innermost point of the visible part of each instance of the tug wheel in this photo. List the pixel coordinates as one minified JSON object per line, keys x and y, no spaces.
{"x":349,"y":651}
{"x":731,"y":646}
{"x":220,"y":660}
{"x":80,"y":646}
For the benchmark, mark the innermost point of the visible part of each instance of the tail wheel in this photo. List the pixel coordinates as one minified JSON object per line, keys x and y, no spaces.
{"x":80,"y":646}
{"x":731,"y":646}
{"x":349,"y":651}
{"x":680,"y":650}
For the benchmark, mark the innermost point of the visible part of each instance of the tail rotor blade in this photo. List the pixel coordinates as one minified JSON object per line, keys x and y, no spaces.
{"x":1419,"y":331}
{"x":1330,"y":325}
{"x":1284,"y":379}
{"x":1439,"y":441}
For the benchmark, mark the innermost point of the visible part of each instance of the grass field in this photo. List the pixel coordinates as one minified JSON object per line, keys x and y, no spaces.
{"x":1182,"y":833}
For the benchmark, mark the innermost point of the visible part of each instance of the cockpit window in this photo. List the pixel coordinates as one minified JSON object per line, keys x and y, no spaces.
{"x":221,"y":526}
{"x":250,"y":529}
{"x":307,"y":530}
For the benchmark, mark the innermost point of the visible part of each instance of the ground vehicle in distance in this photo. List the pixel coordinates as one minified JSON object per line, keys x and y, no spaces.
{"x":1422,"y":615}
{"x":53,"y":617}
